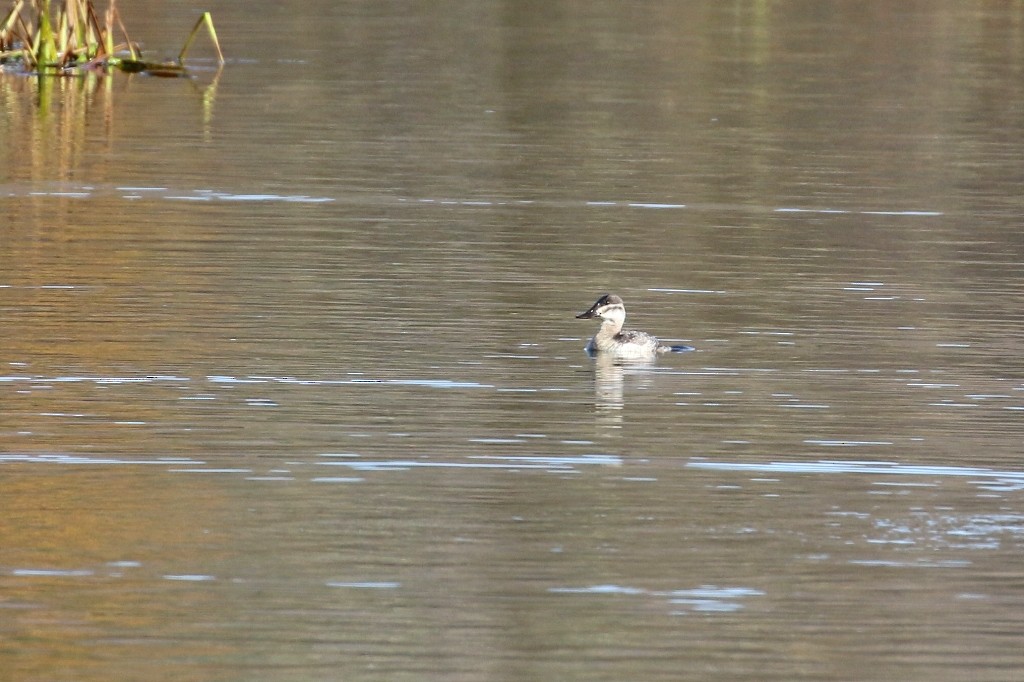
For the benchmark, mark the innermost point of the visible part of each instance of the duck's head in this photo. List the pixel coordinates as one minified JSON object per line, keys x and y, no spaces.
{"x":608,"y":307}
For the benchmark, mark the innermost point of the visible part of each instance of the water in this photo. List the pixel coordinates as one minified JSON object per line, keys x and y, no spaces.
{"x":291,"y":385}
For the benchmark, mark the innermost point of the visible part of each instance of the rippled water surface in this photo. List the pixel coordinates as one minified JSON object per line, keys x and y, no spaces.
{"x":291,"y":385}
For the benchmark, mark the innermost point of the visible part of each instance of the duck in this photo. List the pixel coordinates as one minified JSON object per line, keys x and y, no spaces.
{"x":612,"y":340}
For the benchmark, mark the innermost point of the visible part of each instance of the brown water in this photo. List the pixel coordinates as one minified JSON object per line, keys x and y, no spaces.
{"x":291,"y":386}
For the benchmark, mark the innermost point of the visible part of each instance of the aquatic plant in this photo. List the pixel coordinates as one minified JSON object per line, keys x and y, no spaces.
{"x":75,"y":39}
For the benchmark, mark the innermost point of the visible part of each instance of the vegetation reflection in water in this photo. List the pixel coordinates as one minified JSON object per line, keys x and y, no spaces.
{"x":50,"y":148}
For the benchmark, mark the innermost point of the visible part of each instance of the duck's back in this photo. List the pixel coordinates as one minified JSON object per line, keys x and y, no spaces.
{"x":626,"y":344}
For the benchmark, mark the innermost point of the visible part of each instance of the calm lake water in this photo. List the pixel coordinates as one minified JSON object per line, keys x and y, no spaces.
{"x":291,"y":386}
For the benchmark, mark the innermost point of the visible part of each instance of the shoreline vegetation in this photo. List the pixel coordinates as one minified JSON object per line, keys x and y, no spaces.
{"x":33,"y":41}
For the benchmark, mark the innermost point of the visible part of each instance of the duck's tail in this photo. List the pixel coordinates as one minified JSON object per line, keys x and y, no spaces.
{"x":675,"y":349}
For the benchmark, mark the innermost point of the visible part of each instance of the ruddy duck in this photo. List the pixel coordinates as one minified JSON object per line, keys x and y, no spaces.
{"x":612,"y":340}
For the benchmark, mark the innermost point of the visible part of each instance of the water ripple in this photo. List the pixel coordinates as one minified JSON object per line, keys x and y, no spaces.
{"x":861,"y":467}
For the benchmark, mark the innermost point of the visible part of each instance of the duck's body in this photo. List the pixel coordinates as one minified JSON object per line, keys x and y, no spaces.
{"x":611,"y":339}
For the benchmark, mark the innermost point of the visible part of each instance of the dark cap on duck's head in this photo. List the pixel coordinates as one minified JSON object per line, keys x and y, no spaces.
{"x":605,"y":300}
